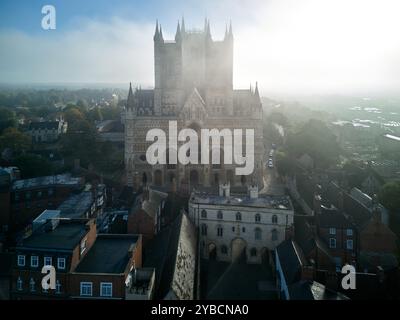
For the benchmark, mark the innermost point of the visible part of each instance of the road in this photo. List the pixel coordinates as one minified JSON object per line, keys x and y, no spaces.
{"x":272,"y":185}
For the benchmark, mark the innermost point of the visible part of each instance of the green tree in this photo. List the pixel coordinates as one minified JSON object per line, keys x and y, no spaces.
{"x":7,"y":119}
{"x":284,"y":164}
{"x":80,"y":142}
{"x":317,"y":140}
{"x":95,"y":114}
{"x":389,"y":195}
{"x":33,"y":166}
{"x":15,"y":140}
{"x":72,"y":115}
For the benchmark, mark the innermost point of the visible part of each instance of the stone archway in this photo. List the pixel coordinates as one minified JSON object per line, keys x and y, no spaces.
{"x":265,"y":256}
{"x":212,"y":251}
{"x":238,"y":249}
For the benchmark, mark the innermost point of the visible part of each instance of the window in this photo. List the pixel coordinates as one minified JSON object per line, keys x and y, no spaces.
{"x":274,"y":235}
{"x":332,"y":243}
{"x":203,"y":214}
{"x":58,"y":286}
{"x":253,"y":252}
{"x":47,"y":261}
{"x":220,"y":231}
{"x":332,"y":231}
{"x":50,"y":192}
{"x":19,"y":284}
{"x":257,"y":218}
{"x":21,"y":260}
{"x":28,"y":195}
{"x":243,"y":229}
{"x":224,"y":249}
{"x":238,"y":216}
{"x":257,"y":233}
{"x":349,"y":232}
{"x":86,"y":289}
{"x":233,"y":229}
{"x":220,"y":215}
{"x":349,"y":244}
{"x":274,"y":219}
{"x":61,"y":263}
{"x":106,"y":289}
{"x":32,"y":285}
{"x":34,"y":261}
{"x":39,"y":194}
{"x":204,"y":229}
{"x":83,"y":245}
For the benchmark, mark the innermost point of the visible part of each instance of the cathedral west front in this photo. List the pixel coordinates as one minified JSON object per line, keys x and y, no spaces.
{"x":194,"y":88}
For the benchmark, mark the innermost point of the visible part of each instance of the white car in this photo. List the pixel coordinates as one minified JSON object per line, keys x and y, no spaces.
{"x":270,"y":163}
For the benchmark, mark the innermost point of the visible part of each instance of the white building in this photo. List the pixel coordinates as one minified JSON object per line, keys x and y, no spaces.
{"x":46,"y":131}
{"x":231,"y":225}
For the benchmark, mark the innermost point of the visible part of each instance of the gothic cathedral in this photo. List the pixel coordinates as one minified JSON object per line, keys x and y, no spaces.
{"x":193,"y":86}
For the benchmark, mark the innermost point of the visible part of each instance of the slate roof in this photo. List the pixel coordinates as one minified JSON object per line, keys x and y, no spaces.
{"x":77,"y":205}
{"x":155,"y":198}
{"x":312,"y":290}
{"x":49,"y":125}
{"x":333,"y":218}
{"x":66,"y":236}
{"x":109,"y":254}
{"x":291,"y":259}
{"x":173,"y":254}
{"x":305,"y":236}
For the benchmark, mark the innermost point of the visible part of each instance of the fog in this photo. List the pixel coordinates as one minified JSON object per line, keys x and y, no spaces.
{"x":288,"y":46}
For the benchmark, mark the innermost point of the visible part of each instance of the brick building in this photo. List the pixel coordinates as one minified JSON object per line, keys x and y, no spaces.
{"x":61,"y":243}
{"x":87,"y":265}
{"x":29,"y":197}
{"x":146,"y":218}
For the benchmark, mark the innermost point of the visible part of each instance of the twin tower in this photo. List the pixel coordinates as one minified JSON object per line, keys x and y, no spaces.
{"x":192,"y":60}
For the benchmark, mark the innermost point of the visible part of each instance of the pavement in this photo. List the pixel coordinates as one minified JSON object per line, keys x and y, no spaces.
{"x":272,"y":185}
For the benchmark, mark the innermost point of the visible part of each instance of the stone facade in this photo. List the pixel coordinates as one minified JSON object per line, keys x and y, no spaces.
{"x":193,"y":86}
{"x":231,"y":226}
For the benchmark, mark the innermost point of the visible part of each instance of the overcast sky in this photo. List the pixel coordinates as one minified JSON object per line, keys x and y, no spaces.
{"x":288,"y":46}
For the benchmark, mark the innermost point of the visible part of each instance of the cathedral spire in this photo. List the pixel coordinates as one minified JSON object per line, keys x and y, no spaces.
{"x":256,"y":91}
{"x":178,"y":36}
{"x":226,"y":32}
{"x":129,"y":100}
{"x":157,"y":35}
{"x":161,"y":35}
{"x":207,"y":30}
{"x":183,"y":25}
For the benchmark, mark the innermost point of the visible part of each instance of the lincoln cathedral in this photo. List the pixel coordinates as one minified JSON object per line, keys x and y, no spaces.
{"x":193,"y":86}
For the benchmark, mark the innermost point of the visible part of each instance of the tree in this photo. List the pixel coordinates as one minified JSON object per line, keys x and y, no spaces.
{"x":7,"y":119}
{"x":284,"y":164}
{"x":389,"y":195}
{"x":95,"y":114}
{"x":73,"y":115}
{"x":33,"y":166}
{"x":15,"y":140}
{"x":80,"y":142}
{"x":317,"y":140}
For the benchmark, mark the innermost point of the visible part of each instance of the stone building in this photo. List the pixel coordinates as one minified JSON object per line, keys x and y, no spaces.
{"x":194,"y":87}
{"x":46,"y":131}
{"x":231,"y":225}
